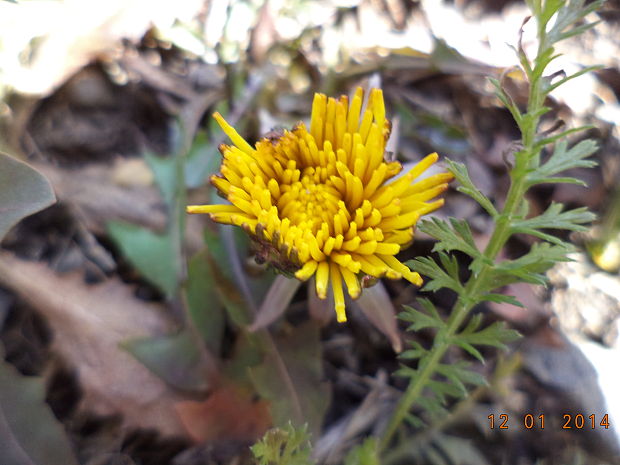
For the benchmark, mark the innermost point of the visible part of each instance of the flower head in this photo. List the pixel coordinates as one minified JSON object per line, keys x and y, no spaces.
{"x":324,"y":202}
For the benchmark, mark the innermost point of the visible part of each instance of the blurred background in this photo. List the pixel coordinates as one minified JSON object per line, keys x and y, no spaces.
{"x":102,"y":97}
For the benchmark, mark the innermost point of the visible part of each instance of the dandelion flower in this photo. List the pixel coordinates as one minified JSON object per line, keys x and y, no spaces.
{"x":324,"y":202}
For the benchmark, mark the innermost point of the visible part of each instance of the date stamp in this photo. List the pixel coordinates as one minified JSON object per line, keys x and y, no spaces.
{"x":568,"y":421}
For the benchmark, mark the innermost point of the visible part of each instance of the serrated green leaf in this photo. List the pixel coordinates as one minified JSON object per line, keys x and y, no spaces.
{"x":451,"y":373}
{"x":23,"y":191}
{"x":471,"y":350}
{"x":420,"y":320}
{"x":29,"y":432}
{"x":570,"y":14}
{"x":502,"y":299}
{"x":405,"y":371}
{"x":412,"y":354}
{"x":438,"y":277}
{"x":508,"y":101}
{"x":542,"y":61}
{"x":494,"y":335}
{"x":429,"y":307}
{"x":538,"y":259}
{"x":177,"y":358}
{"x":561,"y":135}
{"x":443,"y":390}
{"x":284,"y":446}
{"x":153,"y":255}
{"x":459,"y":170}
{"x":473,"y":324}
{"x":564,"y":80}
{"x":532,"y":117}
{"x":554,"y":218}
{"x":415,"y":421}
{"x":451,"y":265}
{"x":530,"y":267}
{"x":416,"y":351}
{"x":562,"y":160}
{"x":455,"y":235}
{"x":365,"y":454}
{"x":461,"y":375}
{"x":578,"y":30}
{"x":550,"y":7}
{"x":468,"y":376}
{"x":432,"y":405}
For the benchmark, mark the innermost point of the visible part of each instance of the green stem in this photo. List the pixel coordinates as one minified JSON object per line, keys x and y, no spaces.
{"x":501,"y":234}
{"x":440,"y":347}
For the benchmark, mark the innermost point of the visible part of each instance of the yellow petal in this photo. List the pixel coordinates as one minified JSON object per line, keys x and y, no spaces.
{"x":306,"y":271}
{"x":211,"y":209}
{"x":403,"y":269}
{"x":353,"y":285}
{"x":336,"y":279}
{"x":233,"y":134}
{"x":322,"y":276}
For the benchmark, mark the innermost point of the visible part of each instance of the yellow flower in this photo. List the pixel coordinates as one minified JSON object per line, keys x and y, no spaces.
{"x":324,"y":202}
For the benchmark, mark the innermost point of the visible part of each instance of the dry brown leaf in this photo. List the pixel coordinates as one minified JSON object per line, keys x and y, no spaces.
{"x":88,"y":323}
{"x":321,"y":311}
{"x":276,"y":301}
{"x":94,"y":192}
{"x":70,"y":34}
{"x":98,"y":196}
{"x":369,"y":414}
{"x":376,"y":305}
{"x":229,"y":413}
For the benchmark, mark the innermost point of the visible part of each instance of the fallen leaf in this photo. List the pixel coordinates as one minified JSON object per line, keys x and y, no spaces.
{"x":276,"y":301}
{"x":93,"y":192}
{"x":179,"y":359}
{"x":229,"y":413}
{"x":204,"y":306}
{"x":152,"y":254}
{"x":320,"y":310}
{"x":23,"y":191}
{"x":29,"y":432}
{"x":376,"y":305}
{"x":69,"y":35}
{"x":89,"y":322}
{"x":236,"y":289}
{"x":291,"y":378}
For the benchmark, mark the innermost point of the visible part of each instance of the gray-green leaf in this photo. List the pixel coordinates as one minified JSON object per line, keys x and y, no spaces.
{"x":29,"y":433}
{"x":23,"y":191}
{"x":152,"y":254}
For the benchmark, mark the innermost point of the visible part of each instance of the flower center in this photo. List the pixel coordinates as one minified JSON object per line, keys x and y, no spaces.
{"x":311,"y":201}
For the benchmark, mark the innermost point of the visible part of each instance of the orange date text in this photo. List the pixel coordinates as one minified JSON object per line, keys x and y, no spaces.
{"x":530,"y":421}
